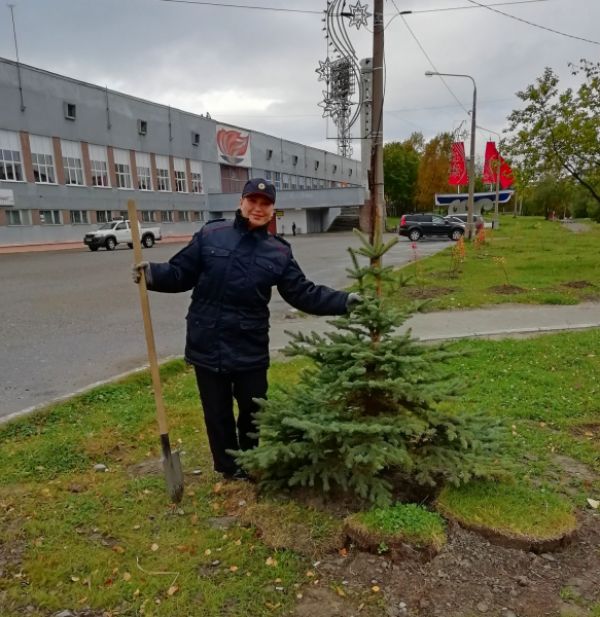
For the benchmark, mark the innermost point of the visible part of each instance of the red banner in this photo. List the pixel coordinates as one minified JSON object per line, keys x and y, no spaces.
{"x":490,"y":167}
{"x":458,"y":165}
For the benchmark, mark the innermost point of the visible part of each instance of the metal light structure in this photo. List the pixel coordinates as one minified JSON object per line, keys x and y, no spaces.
{"x":469,"y":231}
{"x":342,"y":74}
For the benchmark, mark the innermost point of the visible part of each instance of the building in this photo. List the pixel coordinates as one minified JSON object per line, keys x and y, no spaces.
{"x":72,"y":154}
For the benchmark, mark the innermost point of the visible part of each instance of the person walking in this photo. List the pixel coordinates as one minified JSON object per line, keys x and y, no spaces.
{"x":232,"y":265}
{"x":294,"y":228}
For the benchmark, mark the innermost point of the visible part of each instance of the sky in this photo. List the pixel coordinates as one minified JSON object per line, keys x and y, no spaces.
{"x":255,"y":68}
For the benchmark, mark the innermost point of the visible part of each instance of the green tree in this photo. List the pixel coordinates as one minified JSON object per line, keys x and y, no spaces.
{"x":368,"y":412}
{"x":433,"y":170}
{"x":400,"y":168}
{"x":557,"y":133}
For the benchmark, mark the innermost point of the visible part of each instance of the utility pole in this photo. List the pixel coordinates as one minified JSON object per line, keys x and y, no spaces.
{"x":12,"y":15}
{"x":377,"y":193}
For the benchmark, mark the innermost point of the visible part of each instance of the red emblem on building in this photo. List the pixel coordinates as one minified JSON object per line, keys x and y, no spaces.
{"x":232,"y":145}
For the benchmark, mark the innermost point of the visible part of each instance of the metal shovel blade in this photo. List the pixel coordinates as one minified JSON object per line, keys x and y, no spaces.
{"x":173,"y":470}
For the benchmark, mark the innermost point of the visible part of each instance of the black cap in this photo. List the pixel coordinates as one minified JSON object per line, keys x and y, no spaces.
{"x":260,"y":186}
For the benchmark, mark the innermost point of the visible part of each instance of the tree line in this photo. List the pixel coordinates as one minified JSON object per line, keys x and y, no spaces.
{"x":552,"y":143}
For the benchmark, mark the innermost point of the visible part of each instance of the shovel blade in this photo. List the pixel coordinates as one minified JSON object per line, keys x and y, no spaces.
{"x":173,"y":470}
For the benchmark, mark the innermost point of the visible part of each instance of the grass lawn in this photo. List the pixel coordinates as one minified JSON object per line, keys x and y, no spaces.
{"x":71,"y":537}
{"x":527,"y":260}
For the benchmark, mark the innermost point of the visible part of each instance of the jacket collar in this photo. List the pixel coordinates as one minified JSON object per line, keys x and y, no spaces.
{"x":241,"y":223}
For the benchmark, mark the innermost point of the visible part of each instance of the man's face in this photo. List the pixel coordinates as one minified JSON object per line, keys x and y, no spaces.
{"x":258,"y":209}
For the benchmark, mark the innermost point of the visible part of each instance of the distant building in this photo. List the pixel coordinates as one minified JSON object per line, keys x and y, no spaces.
{"x":73,"y":153}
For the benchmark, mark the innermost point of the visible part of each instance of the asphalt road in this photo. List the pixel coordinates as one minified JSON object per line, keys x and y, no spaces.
{"x":69,"y":319}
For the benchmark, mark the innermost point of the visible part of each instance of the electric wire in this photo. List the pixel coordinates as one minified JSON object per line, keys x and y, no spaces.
{"x":533,"y":24}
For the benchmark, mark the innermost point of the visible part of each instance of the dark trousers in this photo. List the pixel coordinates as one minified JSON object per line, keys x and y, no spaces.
{"x":217,"y":391}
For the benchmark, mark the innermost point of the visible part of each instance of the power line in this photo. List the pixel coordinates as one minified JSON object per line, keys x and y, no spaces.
{"x":459,"y":8}
{"x":530,"y":23}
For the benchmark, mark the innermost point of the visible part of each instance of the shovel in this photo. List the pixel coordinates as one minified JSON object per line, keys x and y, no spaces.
{"x":171,"y":461}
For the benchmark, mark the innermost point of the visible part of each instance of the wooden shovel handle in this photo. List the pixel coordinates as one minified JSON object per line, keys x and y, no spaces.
{"x":161,"y":416}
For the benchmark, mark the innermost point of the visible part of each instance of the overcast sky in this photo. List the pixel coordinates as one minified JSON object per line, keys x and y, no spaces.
{"x":256,"y":68}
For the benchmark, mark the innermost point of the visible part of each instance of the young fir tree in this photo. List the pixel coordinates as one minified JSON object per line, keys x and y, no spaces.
{"x":367,"y":412}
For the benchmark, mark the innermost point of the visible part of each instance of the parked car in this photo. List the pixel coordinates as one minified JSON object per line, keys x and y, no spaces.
{"x":415,"y":226}
{"x":462,"y":218}
{"x":110,"y":234}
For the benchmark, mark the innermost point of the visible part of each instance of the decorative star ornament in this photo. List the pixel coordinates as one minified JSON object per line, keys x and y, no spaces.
{"x":324,"y":69}
{"x":359,"y":15}
{"x":328,"y":105}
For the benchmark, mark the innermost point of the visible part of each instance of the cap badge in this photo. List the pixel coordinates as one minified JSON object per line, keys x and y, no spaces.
{"x":261,"y":186}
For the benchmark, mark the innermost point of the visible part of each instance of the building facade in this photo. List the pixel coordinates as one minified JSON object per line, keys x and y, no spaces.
{"x":72,"y":154}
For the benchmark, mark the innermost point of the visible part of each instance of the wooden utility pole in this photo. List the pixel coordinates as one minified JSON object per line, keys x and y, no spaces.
{"x":377,"y":194}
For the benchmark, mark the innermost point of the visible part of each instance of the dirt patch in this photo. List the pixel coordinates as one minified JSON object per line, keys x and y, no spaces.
{"x":507,"y":289}
{"x":470,"y":576}
{"x":427,"y":293}
{"x":577,"y":284}
{"x":574,"y":469}
{"x":589,"y":430}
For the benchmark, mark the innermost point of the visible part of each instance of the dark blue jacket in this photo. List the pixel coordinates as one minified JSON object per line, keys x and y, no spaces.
{"x":232,"y":270}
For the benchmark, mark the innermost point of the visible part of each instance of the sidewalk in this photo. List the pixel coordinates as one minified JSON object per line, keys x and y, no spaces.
{"x":495,"y":322}
{"x":70,"y":246}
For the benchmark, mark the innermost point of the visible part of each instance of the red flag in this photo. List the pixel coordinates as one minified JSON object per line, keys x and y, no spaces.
{"x":458,"y":166}
{"x":490,"y":169}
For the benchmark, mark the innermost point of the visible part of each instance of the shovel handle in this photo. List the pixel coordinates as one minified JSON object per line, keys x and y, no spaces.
{"x":161,"y":416}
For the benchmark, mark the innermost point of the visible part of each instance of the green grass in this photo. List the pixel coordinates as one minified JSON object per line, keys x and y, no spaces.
{"x":510,"y":509}
{"x":546,"y":261}
{"x":404,"y":523}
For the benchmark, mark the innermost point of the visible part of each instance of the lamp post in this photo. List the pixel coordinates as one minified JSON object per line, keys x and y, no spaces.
{"x":470,"y":227}
{"x":497,"y":170}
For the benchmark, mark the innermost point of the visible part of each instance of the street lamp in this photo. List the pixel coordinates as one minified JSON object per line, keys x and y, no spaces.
{"x":470,"y":227}
{"x":496,"y":215}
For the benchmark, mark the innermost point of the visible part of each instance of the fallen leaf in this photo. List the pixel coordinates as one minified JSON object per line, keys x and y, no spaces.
{"x":154,"y":547}
{"x":270,"y":561}
{"x":310,"y":573}
{"x":343,"y":552}
{"x":126,"y":576}
{"x":238,"y":542}
{"x":74,"y":578}
{"x":136,"y":593}
{"x":375,"y":589}
{"x":118,"y":549}
{"x":207,"y":551}
{"x":233,"y":568}
{"x":340,"y":592}
{"x":593,"y":503}
{"x":173,"y":589}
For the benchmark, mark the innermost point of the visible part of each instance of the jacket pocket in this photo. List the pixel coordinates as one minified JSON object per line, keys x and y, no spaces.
{"x":213,"y":251}
{"x":269,"y":265}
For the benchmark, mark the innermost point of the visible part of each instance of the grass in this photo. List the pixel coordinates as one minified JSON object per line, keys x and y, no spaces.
{"x":527,"y":260}
{"x":400,"y":523}
{"x":73,"y":537}
{"x":511,"y":509}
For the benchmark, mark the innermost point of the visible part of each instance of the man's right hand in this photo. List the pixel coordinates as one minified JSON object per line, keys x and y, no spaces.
{"x":139,"y":270}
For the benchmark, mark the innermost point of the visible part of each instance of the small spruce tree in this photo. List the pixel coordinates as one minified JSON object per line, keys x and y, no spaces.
{"x":367,"y":412}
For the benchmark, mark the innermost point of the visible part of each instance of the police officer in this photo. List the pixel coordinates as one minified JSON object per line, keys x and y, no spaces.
{"x":232,"y":265}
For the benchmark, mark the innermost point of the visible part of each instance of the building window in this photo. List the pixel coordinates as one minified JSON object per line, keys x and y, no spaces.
{"x":103,"y":216}
{"x":18,"y":217}
{"x":79,"y":217}
{"x":269,"y":154}
{"x":142,"y":161}
{"x":148,"y":216}
{"x":316,"y":165}
{"x":196,"y":170}
{"x":50,"y":217}
{"x":70,"y":110}
{"x":315,"y":183}
{"x":123,"y":215}
{"x":233,"y":178}
{"x":180,"y":175}
{"x":71,"y":151}
{"x":99,"y":166}
{"x":295,"y":160}
{"x":195,"y":139}
{"x":166,"y":216}
{"x":123,"y":169}
{"x":277,"y":181}
{"x":285,"y":185}
{"x":142,"y":127}
{"x":334,"y":168}
{"x":184,"y":215}
{"x":42,"y":158}
{"x":11,"y":166}
{"x":198,"y":216}
{"x":301,"y":183}
{"x":163,"y":177}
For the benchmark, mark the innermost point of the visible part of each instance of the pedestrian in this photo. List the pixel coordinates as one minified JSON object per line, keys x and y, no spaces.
{"x":231,"y":266}
{"x":293,"y":228}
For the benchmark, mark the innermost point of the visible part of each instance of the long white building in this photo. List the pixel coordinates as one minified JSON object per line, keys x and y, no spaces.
{"x":73,"y":153}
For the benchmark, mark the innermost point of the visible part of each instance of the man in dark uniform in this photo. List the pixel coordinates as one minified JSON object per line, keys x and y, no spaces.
{"x":231,"y":265}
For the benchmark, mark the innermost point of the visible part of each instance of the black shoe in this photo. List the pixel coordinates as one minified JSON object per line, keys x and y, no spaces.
{"x":238,"y":474}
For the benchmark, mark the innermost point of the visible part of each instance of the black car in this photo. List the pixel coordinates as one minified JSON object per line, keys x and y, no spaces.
{"x":478,"y":220}
{"x":414,"y":226}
